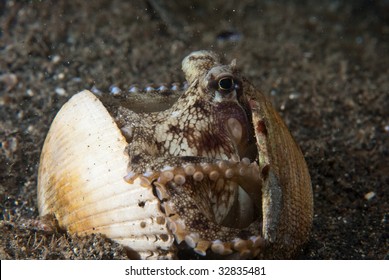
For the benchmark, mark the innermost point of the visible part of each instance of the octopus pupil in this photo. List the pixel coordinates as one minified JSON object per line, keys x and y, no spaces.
{"x":226,"y":84}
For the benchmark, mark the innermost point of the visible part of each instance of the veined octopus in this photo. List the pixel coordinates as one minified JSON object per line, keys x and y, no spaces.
{"x":216,"y":175}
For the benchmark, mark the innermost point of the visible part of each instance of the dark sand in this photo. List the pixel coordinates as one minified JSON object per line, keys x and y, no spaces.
{"x":324,"y":64}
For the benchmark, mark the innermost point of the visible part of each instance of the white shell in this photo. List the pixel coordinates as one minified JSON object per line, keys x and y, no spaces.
{"x":85,"y":165}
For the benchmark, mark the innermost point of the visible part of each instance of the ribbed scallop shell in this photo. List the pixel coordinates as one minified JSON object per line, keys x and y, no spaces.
{"x":81,"y":181}
{"x":287,"y":200}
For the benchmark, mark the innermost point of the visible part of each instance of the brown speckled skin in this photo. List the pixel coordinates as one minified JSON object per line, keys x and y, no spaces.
{"x":194,"y":130}
{"x":193,"y":126}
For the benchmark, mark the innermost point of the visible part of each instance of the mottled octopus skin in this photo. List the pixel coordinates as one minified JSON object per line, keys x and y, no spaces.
{"x":229,"y":176}
{"x":195,"y":126}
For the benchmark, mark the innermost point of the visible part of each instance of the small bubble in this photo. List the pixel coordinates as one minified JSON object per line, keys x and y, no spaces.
{"x":61,"y":76}
{"x":60,"y":91}
{"x":294,"y":95}
{"x":30,"y":93}
{"x":55,"y":59}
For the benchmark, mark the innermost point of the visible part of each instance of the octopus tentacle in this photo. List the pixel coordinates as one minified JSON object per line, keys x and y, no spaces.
{"x":202,"y":187}
{"x":197,"y":232}
{"x":161,"y":88}
{"x":198,"y":168}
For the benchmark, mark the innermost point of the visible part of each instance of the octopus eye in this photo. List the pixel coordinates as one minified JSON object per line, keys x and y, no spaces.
{"x":226,"y":84}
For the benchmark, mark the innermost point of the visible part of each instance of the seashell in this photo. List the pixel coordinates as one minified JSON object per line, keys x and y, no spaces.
{"x":81,"y":181}
{"x":214,"y":173}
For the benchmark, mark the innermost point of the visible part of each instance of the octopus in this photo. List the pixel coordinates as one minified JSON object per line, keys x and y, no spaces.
{"x":230,"y":180}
